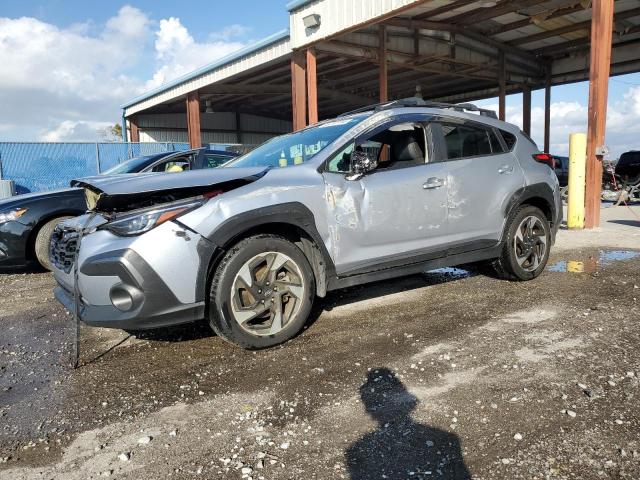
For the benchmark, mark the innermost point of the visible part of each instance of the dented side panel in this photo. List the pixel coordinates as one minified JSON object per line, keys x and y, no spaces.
{"x":385,"y":214}
{"x":478,"y":190}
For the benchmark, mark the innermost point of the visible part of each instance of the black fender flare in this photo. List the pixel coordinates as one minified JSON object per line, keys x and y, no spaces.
{"x":537,"y":190}
{"x":294,"y":214}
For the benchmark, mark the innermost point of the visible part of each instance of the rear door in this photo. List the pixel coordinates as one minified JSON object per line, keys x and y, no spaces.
{"x":482,"y":176}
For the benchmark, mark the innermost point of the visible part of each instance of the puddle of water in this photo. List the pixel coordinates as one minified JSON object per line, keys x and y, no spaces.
{"x":450,"y":273}
{"x":608,"y":257}
{"x":605,"y":257}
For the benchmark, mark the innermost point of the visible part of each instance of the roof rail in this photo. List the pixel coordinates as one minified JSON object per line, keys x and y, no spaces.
{"x":418,"y":102}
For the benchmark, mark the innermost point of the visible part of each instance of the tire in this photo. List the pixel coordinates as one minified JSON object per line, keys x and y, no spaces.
{"x":43,"y":240}
{"x":261,"y":272}
{"x":510,"y":265}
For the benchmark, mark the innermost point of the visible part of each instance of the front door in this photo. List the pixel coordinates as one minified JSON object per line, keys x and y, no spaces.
{"x":392,"y":214}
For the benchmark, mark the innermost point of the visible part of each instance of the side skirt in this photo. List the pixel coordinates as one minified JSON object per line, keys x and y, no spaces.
{"x":415,"y":268}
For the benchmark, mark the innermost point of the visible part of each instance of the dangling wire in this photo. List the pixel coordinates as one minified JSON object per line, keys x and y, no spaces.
{"x":77,"y":299}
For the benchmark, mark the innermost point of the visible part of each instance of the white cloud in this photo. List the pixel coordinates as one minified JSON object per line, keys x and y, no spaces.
{"x":179,"y":53}
{"x":623,"y":122}
{"x":70,"y":131}
{"x":66,"y":83}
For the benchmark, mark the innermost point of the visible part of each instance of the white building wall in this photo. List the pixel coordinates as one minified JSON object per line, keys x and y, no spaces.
{"x":338,"y":15}
{"x":172,"y":127}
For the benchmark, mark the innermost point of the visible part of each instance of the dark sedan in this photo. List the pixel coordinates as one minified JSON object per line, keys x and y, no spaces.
{"x":27,"y":221}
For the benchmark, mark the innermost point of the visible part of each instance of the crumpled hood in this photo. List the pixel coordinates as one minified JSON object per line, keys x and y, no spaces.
{"x":128,"y":192}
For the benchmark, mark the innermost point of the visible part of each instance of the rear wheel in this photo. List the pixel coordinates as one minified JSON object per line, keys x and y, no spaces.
{"x":43,"y":241}
{"x":526,"y":247}
{"x":262,"y":292}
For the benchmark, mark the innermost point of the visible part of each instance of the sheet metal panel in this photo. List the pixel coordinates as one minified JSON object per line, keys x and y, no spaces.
{"x":261,"y":57}
{"x":338,"y":15}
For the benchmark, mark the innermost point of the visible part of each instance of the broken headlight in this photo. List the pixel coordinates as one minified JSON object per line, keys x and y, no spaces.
{"x":13,"y":214}
{"x":141,"y":221}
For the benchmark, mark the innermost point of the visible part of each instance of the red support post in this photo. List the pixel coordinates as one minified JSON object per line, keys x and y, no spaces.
{"x":298,"y":90}
{"x":193,"y":119}
{"x":312,"y":85}
{"x":502,"y":86}
{"x":526,"y":109}
{"x":547,"y":110}
{"x":601,"y":32}
{"x":134,"y":130}
{"x":382,"y":60}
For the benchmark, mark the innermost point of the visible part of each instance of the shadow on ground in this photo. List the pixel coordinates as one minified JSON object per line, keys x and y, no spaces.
{"x":399,"y":447}
{"x":629,"y":223}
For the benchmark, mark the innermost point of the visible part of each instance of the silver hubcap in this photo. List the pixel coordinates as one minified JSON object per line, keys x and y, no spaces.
{"x":267,"y":293}
{"x":530,"y":243}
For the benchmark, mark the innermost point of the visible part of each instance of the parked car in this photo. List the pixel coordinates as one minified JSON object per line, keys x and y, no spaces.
{"x":27,"y":221}
{"x":387,"y":191}
{"x":562,"y":169}
{"x":628,"y":167}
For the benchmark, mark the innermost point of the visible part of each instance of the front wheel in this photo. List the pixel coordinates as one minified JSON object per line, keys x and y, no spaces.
{"x":526,"y":246}
{"x":262,"y":292}
{"x":43,"y":241}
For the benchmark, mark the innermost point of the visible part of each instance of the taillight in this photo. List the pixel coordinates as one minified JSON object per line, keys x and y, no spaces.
{"x":545,"y":158}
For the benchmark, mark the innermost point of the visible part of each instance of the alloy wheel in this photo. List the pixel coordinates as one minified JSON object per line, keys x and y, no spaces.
{"x":530,"y":243}
{"x":267,"y":293}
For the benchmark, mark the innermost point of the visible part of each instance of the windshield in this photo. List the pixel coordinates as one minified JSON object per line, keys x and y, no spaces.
{"x":130,"y":166}
{"x":296,"y":148}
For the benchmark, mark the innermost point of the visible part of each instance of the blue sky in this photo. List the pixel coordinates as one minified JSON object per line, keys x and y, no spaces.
{"x":75,"y":62}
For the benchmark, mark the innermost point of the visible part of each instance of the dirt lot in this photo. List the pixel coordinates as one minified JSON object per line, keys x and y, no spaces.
{"x":446,"y":375}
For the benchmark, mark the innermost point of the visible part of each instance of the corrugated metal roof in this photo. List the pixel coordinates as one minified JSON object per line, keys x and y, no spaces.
{"x":265,"y":42}
{"x":295,"y":4}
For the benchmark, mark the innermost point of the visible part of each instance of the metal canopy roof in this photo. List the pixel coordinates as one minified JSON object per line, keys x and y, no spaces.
{"x":448,"y":48}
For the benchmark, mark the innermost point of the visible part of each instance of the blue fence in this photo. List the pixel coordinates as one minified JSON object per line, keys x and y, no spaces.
{"x":36,"y":167}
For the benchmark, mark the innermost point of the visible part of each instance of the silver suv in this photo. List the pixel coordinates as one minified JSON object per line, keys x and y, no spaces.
{"x":386,"y":191}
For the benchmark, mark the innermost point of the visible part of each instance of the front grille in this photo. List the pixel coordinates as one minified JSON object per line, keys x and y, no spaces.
{"x":62,"y":251}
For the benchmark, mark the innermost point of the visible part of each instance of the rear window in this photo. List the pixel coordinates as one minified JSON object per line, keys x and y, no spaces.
{"x":463,"y":141}
{"x":509,"y":139}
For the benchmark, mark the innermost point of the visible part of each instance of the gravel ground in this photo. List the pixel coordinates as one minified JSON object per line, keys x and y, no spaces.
{"x":445,"y":375}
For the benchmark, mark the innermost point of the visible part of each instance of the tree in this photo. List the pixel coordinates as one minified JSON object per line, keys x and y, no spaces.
{"x":112,"y":133}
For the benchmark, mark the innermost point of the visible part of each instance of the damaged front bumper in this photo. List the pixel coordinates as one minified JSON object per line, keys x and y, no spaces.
{"x":134,"y":283}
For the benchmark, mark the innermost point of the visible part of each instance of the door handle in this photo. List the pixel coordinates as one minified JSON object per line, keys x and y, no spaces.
{"x":505,"y":169}
{"x":433,"y":182}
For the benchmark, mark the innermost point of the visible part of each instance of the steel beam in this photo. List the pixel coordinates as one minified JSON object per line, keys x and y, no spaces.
{"x":601,"y":32}
{"x":469,"y":33}
{"x":502,"y":87}
{"x":382,"y":64}
{"x":634,"y":12}
{"x":547,"y":109}
{"x":526,"y":109}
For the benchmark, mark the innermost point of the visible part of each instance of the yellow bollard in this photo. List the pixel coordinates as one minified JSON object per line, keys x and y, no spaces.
{"x":577,"y":170}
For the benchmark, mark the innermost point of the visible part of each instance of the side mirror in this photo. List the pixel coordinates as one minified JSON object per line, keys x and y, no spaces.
{"x":361,"y":163}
